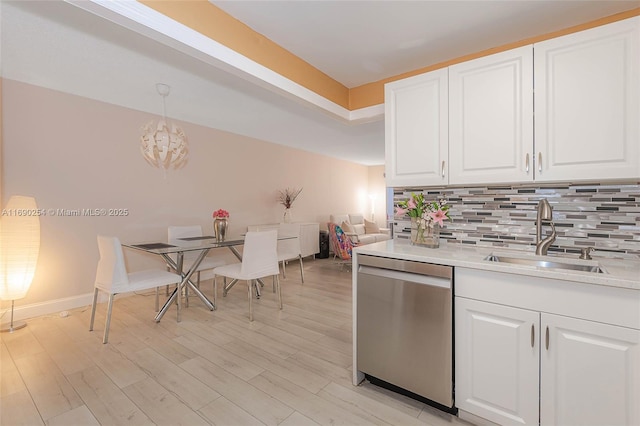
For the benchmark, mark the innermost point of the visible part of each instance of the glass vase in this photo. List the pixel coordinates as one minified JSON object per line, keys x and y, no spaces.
{"x":425,"y":234}
{"x":287,"y":216}
{"x":220,"y":225}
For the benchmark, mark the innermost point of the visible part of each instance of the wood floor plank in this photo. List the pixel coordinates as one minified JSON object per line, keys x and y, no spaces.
{"x":77,"y":416}
{"x":187,"y":388}
{"x":160,"y":405}
{"x":145,"y":332}
{"x":10,"y":379}
{"x":223,"y":412}
{"x":282,"y":367}
{"x":321,"y":367}
{"x":265,"y":343}
{"x":114,"y":363}
{"x":49,"y":388}
{"x":221,"y":356}
{"x":311,"y":405}
{"x":285,"y":324}
{"x":350,"y":399}
{"x":108,"y":403}
{"x":18,"y":408}
{"x":61,"y":348}
{"x":21,"y":343}
{"x":259,"y":404}
{"x":297,"y":419}
{"x":399,"y":402}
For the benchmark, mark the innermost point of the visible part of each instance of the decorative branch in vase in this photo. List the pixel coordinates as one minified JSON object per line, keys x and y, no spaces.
{"x":426,"y":219}
{"x":286,"y":198}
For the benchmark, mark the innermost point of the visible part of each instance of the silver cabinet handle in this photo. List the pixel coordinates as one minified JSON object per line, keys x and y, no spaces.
{"x":443,"y":169}
{"x":546,"y":338}
{"x":526,"y":163}
{"x":540,"y":162}
{"x":533,"y":334}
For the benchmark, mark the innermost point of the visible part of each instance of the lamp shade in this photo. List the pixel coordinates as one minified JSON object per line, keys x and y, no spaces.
{"x":19,"y":246}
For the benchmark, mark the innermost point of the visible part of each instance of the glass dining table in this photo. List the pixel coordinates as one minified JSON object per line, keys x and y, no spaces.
{"x":202,"y":245}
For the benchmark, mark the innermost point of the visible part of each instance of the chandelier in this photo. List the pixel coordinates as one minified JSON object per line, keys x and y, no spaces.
{"x":164,"y":146}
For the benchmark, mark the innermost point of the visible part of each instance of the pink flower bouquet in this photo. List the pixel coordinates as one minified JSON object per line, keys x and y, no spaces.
{"x":220,"y":213}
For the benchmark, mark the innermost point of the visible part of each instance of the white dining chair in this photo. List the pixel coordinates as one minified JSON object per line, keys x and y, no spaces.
{"x":205,"y":269}
{"x":112,"y":278}
{"x":289,"y":249}
{"x":259,"y":260}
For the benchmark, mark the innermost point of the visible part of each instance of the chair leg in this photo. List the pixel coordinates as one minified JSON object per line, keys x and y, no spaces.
{"x":250,"y":288}
{"x":301,"y":269}
{"x":108,"y":322}
{"x":93,"y":308}
{"x":157,"y":299}
{"x":215,"y":291}
{"x":279,"y":291}
{"x":186,"y":295}
{"x":284,"y":272}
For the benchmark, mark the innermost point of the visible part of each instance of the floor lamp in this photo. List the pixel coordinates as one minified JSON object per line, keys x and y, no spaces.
{"x":19,"y":247}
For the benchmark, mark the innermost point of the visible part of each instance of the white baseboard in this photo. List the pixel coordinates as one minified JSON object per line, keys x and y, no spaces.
{"x":23,"y":312}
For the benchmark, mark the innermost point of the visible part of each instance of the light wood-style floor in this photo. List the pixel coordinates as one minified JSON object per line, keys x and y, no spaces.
{"x":289,"y":367}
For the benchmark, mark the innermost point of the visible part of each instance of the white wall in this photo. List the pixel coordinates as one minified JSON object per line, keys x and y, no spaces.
{"x":75,"y":153}
{"x":377,"y":189}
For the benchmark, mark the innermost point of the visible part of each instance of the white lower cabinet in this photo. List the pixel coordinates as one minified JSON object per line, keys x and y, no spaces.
{"x":588,"y":373}
{"x":522,"y":356}
{"x":497,"y":361}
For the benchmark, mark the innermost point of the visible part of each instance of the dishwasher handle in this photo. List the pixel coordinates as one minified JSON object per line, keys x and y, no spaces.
{"x":406,"y":276}
{"x":409,"y":266}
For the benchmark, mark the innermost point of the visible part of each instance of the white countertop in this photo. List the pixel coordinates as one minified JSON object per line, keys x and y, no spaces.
{"x":624,"y":273}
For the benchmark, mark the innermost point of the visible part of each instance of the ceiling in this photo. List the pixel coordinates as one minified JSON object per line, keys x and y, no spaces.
{"x":57,"y":45}
{"x":358,"y":42}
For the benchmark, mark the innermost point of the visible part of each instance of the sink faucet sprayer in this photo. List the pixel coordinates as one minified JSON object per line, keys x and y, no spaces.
{"x":545,"y":213}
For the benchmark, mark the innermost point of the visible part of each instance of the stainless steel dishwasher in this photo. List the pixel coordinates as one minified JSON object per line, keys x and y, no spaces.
{"x":404,"y":325}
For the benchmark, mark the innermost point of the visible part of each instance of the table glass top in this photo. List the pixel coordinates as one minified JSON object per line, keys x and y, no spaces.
{"x":185,"y":244}
{"x":191,"y":244}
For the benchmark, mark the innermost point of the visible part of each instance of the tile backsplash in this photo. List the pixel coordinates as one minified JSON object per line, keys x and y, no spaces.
{"x":606,"y":217}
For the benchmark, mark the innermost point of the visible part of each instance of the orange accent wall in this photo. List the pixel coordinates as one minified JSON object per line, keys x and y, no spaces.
{"x":216,"y":24}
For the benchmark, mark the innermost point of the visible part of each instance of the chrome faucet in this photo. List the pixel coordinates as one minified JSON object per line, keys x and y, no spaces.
{"x":545,"y":213}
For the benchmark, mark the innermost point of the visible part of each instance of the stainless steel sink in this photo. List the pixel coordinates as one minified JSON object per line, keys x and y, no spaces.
{"x":547,"y":263}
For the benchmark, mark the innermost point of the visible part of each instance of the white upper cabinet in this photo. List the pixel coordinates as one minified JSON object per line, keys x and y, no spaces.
{"x":587,"y":96}
{"x":416,"y":130}
{"x":491,"y":118}
{"x":581,"y":90}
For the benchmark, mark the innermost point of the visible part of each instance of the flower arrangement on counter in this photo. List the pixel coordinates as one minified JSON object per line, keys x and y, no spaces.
{"x":220,"y":214}
{"x":425,"y":215}
{"x":288,"y":196}
{"x":427,"y":212}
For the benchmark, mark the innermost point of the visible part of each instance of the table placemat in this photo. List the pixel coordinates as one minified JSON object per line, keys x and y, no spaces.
{"x":152,"y":246}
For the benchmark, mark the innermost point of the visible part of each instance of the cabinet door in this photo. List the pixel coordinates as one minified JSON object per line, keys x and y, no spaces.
{"x":590,"y":373}
{"x":497,"y":361}
{"x":309,"y":239}
{"x":587,"y":104}
{"x":416,"y":130}
{"x":491,"y":118}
